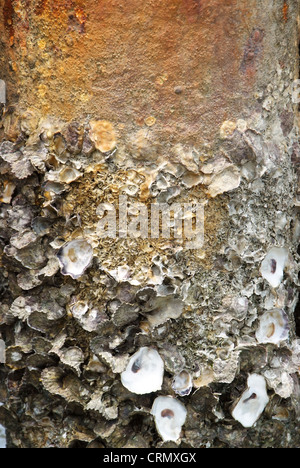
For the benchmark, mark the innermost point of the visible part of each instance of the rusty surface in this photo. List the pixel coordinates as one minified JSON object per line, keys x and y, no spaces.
{"x":182,"y":62}
{"x":285,"y":11}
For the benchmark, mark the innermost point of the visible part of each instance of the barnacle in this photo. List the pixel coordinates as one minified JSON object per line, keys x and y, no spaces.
{"x":227,"y":129}
{"x":144,"y":372}
{"x":169,"y":415}
{"x":182,"y":383}
{"x":273,"y":265}
{"x":252,"y":403}
{"x":75,"y":257}
{"x":69,"y":174}
{"x":273,"y":327}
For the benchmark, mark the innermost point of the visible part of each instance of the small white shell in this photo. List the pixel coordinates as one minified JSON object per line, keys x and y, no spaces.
{"x":182,"y":383}
{"x":144,"y":372}
{"x":253,"y":401}
{"x":169,"y":415}
{"x":273,"y":266}
{"x":273,"y":327}
{"x":68,"y":175}
{"x":75,"y":257}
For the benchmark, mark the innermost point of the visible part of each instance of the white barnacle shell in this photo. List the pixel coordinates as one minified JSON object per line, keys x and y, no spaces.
{"x":273,"y":266}
{"x":273,"y":327}
{"x":75,"y":257}
{"x":144,"y":372}
{"x":69,"y":175}
{"x":253,"y":401}
{"x":169,"y":415}
{"x":182,"y":383}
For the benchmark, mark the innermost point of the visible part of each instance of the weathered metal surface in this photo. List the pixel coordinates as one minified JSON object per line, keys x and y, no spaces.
{"x":189,"y":63}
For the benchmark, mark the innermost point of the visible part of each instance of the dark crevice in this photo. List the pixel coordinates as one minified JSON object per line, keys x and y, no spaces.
{"x":297,"y":318}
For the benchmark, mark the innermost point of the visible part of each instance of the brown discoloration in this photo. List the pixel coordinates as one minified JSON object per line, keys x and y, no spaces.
{"x":167,"y":413}
{"x":252,"y":397}
{"x":273,"y":266}
{"x":8,"y":15}
{"x":40,"y":7}
{"x":72,"y":255}
{"x":271,"y":330}
{"x":192,"y":9}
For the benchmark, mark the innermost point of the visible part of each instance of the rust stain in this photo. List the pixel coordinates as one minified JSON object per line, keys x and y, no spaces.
{"x":192,"y":9}
{"x":79,"y":57}
{"x":8,"y":14}
{"x":285,"y":11}
{"x":77,"y":20}
{"x":40,"y":7}
{"x":80,"y":15}
{"x":58,"y":8}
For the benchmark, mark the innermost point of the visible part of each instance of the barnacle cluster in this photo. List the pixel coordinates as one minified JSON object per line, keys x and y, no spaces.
{"x":120,"y":334}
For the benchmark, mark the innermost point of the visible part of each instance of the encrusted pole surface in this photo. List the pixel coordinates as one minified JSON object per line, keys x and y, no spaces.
{"x":148,"y":223}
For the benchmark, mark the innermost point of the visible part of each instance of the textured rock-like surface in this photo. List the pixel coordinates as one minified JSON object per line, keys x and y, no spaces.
{"x":187,"y":102}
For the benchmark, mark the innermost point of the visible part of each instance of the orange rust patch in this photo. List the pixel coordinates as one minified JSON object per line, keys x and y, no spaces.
{"x":102,"y":59}
{"x":80,"y":15}
{"x":40,"y":7}
{"x":285,"y":11}
{"x":192,"y":9}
